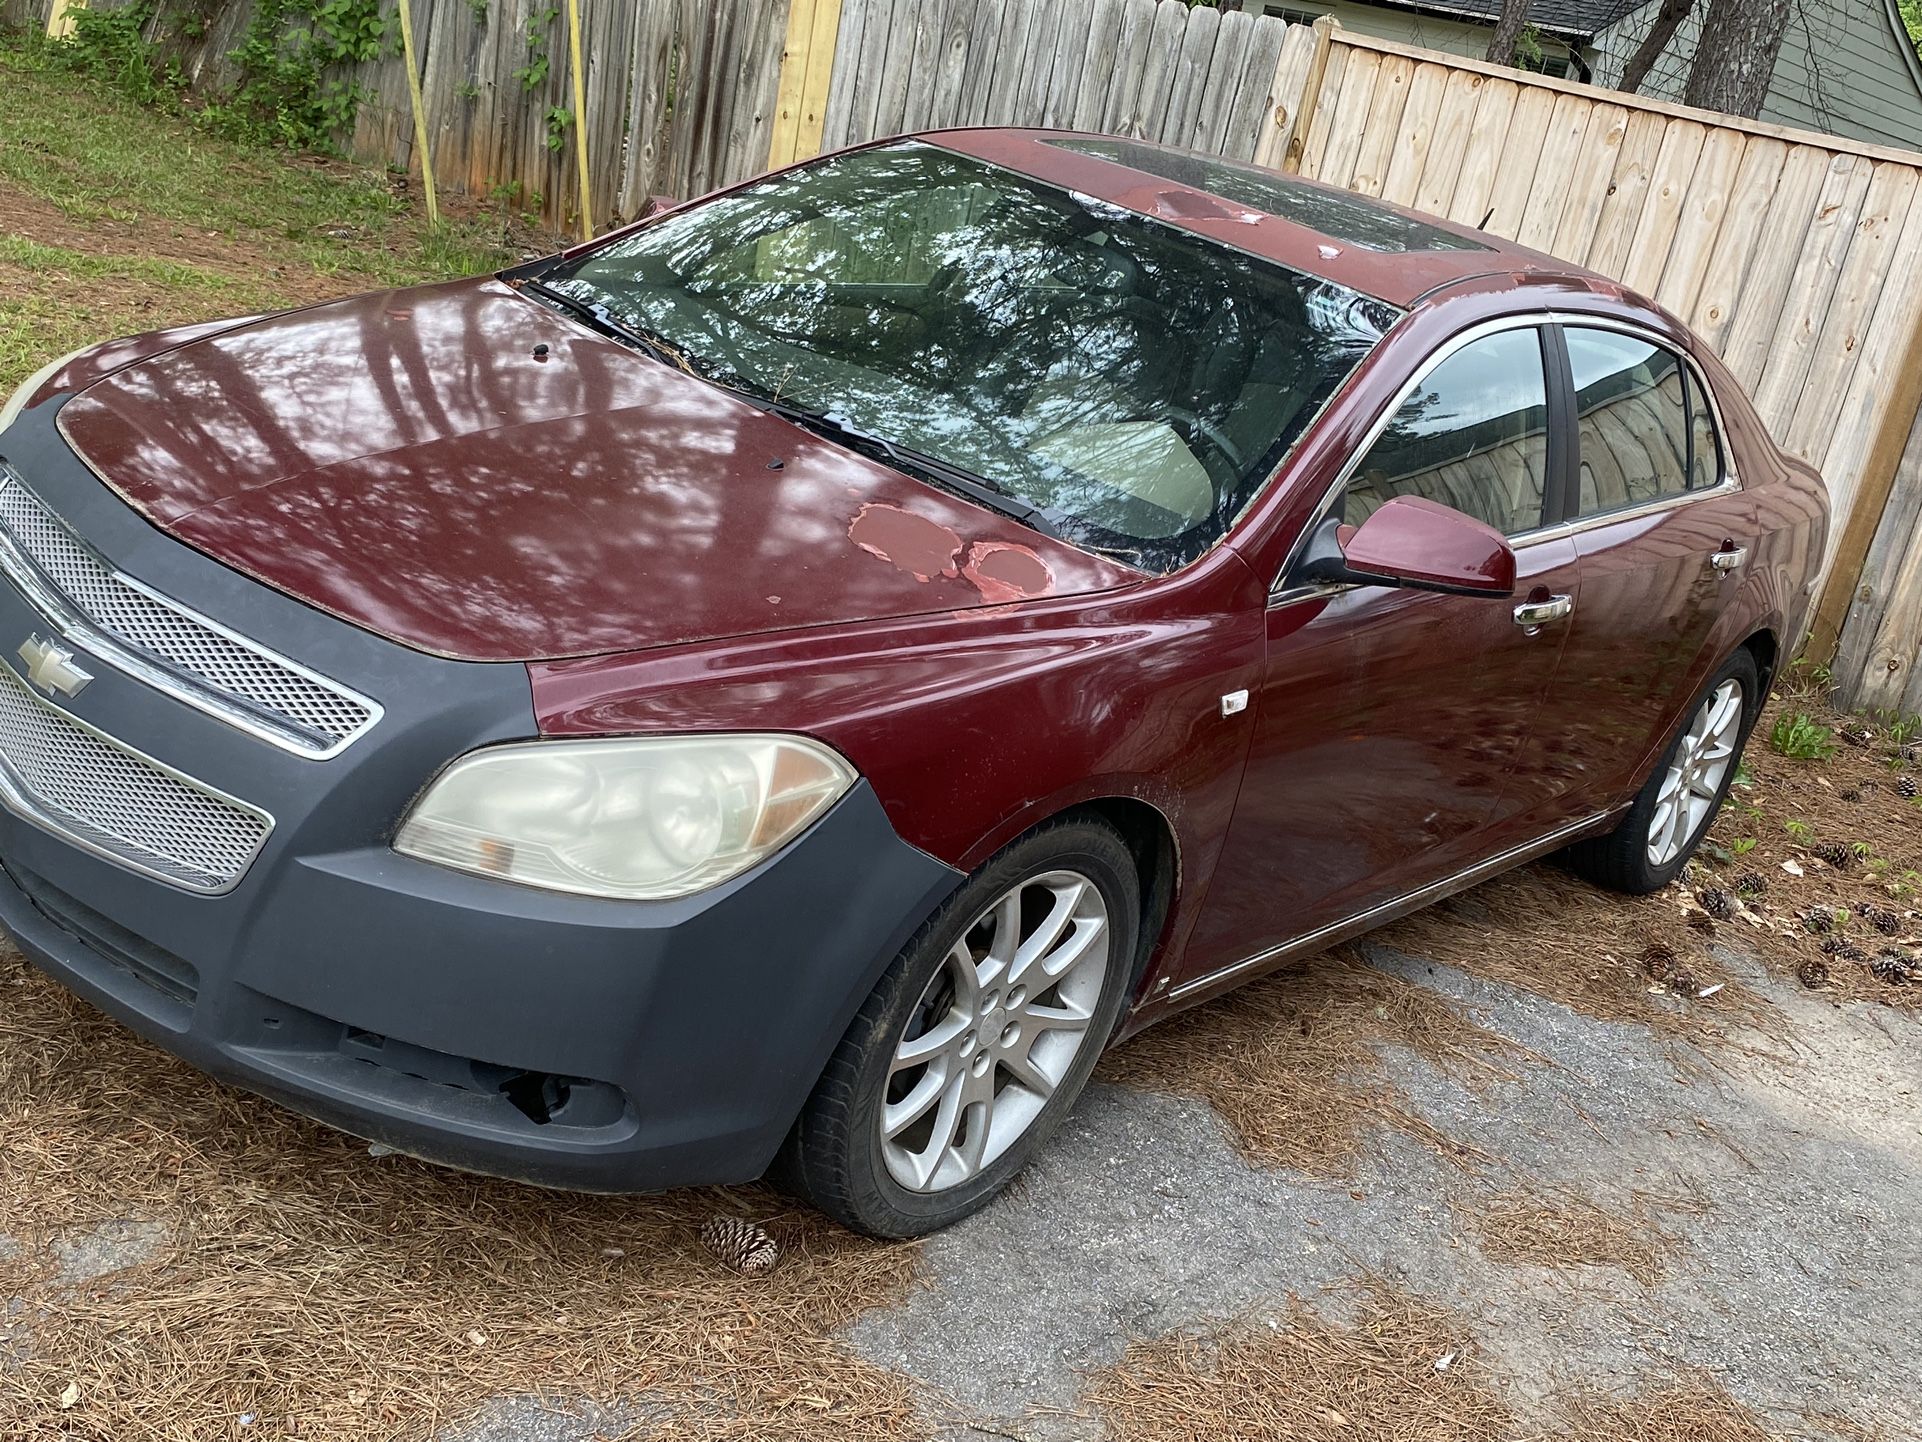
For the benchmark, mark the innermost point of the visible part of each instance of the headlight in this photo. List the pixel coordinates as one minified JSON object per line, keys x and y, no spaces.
{"x":17,"y":402}
{"x":638,"y":818}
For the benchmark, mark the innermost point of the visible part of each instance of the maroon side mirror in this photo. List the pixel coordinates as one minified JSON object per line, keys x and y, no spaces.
{"x":1417,"y":544}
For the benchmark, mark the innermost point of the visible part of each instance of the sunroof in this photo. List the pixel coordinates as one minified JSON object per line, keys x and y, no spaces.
{"x":1339,"y":216}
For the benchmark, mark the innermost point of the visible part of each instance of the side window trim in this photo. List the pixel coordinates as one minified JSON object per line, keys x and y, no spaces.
{"x":1564,"y":432}
{"x":1538,"y":321}
{"x":1729,"y":479}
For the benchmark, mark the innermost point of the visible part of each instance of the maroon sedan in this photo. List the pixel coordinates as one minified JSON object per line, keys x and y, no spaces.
{"x":785,"y":685}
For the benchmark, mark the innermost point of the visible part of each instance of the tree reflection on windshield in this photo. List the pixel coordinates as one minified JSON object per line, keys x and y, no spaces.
{"x":1135,"y":382}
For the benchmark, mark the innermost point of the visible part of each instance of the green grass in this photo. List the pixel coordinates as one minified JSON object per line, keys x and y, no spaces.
{"x":268,"y":229}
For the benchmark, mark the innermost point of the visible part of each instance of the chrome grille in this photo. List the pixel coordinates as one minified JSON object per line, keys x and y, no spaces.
{"x":323,"y":717}
{"x":114,"y":801}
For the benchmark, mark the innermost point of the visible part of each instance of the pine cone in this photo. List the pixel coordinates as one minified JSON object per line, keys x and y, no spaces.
{"x":1658,"y":960}
{"x":1835,"y":853}
{"x":1701,"y":923}
{"x":1716,"y":902}
{"x":1818,"y":919}
{"x":1681,"y":982}
{"x":1834,"y":946}
{"x":1892,"y":967}
{"x":1751,"y":883}
{"x":1910,"y":751}
{"x":1849,"y":951}
{"x":1813,"y":972}
{"x":739,"y":1244}
{"x":1905,"y":787}
{"x":1856,"y":735}
{"x":1849,"y":793}
{"x":1880,"y":917}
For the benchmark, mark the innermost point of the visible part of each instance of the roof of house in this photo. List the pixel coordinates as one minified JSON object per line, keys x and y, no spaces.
{"x":1578,"y":19}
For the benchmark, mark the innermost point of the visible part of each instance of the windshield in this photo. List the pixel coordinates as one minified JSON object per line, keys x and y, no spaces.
{"x":1133,"y":383}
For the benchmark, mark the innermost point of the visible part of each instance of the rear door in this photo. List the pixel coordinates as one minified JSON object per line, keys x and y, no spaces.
{"x":1662,"y":531}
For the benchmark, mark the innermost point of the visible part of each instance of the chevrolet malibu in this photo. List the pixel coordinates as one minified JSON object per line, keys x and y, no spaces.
{"x":783,"y":686}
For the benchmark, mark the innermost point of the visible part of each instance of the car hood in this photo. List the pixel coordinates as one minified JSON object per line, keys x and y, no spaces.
{"x":465,"y":471}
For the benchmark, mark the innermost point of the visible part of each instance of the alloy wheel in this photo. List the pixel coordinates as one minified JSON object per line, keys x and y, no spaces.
{"x":996,"y":1030}
{"x":1693,"y":781}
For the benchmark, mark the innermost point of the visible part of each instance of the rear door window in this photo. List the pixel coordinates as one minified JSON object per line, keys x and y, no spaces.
{"x":1471,"y":435}
{"x":1632,"y":411}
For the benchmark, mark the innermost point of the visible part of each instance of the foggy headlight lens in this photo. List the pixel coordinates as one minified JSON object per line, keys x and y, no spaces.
{"x":638,"y":818}
{"x":17,"y":402}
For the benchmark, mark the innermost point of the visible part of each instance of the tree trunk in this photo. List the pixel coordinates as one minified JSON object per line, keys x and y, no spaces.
{"x":1508,"y":31}
{"x":1735,"y":59}
{"x":1667,"y":21}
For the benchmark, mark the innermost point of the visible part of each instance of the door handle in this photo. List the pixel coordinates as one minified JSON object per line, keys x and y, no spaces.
{"x":1533,"y":615}
{"x":1728,"y":558}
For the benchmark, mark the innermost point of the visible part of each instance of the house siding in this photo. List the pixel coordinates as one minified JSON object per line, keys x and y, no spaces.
{"x":1841,"y":70}
{"x":1431,"y":32}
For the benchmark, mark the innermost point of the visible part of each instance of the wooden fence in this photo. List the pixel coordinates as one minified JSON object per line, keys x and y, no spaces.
{"x":1795,"y":255}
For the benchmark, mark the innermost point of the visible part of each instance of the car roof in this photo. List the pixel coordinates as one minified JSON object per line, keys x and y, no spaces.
{"x":1382,"y":250}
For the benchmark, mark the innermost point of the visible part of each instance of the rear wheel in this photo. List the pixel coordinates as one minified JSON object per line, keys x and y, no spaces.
{"x":978,"y":1039}
{"x":1675,"y":806}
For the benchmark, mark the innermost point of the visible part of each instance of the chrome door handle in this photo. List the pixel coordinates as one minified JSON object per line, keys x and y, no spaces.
{"x":1535,"y":614}
{"x":1728,"y":558}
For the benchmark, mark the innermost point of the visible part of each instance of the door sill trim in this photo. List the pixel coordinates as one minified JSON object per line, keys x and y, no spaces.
{"x":1408,"y":901}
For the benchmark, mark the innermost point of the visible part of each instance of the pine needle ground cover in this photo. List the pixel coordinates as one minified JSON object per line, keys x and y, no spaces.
{"x":1398,"y":1367}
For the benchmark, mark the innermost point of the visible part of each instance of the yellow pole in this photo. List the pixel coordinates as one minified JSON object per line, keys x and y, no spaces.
{"x":420,"y":111}
{"x":580,"y":117}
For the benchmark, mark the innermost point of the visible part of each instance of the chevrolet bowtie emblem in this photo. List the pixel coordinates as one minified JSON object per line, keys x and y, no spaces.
{"x":51,"y":667}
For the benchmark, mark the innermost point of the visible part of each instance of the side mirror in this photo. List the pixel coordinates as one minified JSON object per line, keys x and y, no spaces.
{"x":657,"y":205}
{"x":1416,"y":544}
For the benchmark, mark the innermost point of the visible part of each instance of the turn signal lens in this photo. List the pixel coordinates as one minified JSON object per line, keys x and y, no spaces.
{"x":641,"y":818}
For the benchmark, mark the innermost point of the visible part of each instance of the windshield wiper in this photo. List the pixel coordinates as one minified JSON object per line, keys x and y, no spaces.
{"x":904,"y":458}
{"x":600,"y":318}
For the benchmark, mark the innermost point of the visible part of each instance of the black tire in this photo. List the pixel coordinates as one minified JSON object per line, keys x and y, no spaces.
{"x":833,"y":1158}
{"x":1619,"y":859}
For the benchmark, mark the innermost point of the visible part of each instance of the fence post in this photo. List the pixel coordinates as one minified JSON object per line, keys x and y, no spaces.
{"x":420,"y":111}
{"x":807,"y":65}
{"x":1325,"y":28}
{"x":1871,"y":498}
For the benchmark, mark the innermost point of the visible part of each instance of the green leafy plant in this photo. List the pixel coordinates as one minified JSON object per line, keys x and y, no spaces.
{"x":113,"y":46}
{"x":290,"y":92}
{"x":1744,"y":845}
{"x":558,"y":118}
{"x":1802,"y":737}
{"x":1799,"y":830}
{"x":533,"y":75}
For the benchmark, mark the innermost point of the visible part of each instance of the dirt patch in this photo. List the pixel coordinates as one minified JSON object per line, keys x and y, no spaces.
{"x":1402,"y":1368}
{"x":145,"y":238}
{"x":291,"y":1278}
{"x":1292,"y":1063}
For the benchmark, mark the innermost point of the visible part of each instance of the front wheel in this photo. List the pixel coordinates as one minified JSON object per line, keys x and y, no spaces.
{"x":1675,"y":806}
{"x":978,"y":1039}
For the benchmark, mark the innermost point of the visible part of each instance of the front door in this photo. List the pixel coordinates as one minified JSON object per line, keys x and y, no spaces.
{"x":1389,"y":721}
